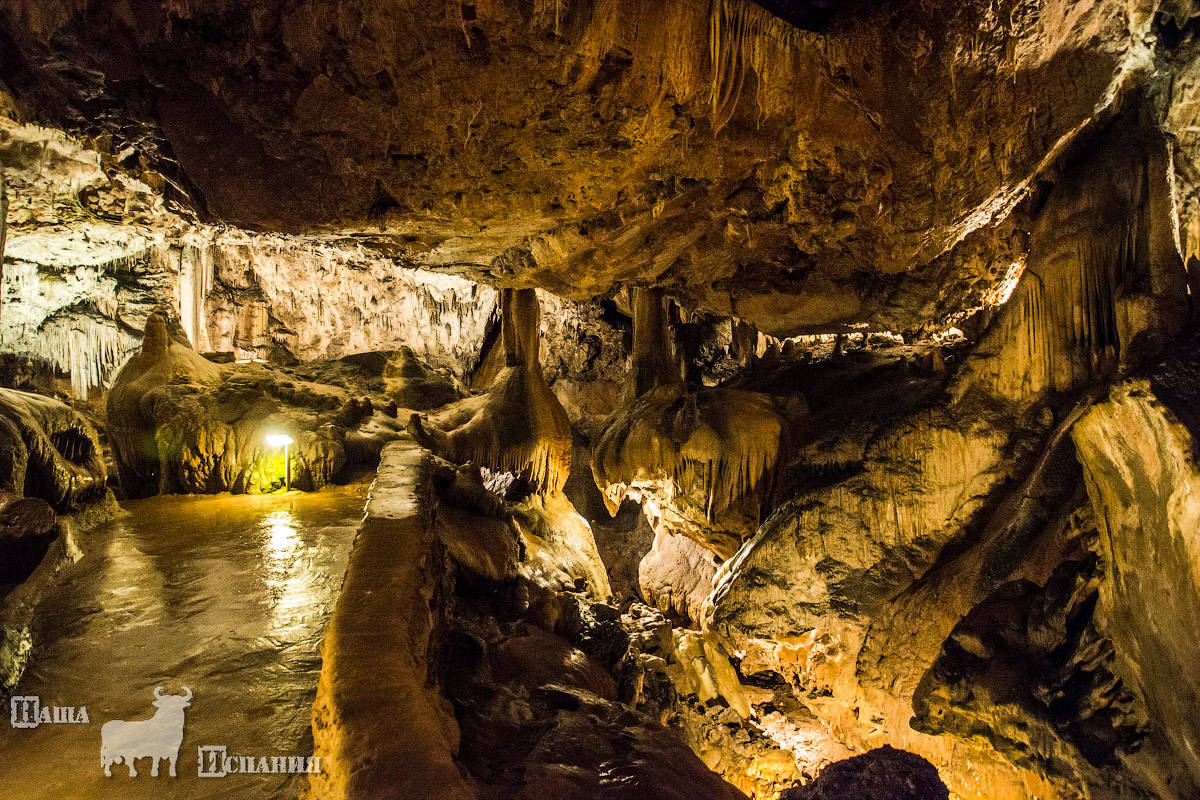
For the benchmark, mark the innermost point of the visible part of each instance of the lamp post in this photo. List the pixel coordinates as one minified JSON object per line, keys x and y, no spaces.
{"x":283,"y":440}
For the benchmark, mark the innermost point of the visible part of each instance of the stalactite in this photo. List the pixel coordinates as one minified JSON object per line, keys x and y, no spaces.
{"x":3,"y":234}
{"x":520,"y":427}
{"x":195,"y":283}
{"x":654,"y":361}
{"x":1104,"y":285}
{"x":66,"y":319}
{"x":708,"y":449}
{"x":89,"y":350}
{"x":697,"y":51}
{"x":743,"y":37}
{"x":723,"y":441}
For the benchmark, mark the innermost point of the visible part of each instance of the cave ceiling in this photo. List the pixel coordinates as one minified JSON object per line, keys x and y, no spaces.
{"x":807,"y":166}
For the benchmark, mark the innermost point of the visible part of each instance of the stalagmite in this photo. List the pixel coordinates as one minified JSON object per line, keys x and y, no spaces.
{"x":519,"y":426}
{"x":955,"y":224}
{"x":702,"y":458}
{"x":180,"y":423}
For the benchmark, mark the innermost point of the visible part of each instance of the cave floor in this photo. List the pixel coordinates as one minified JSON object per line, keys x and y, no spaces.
{"x":227,"y":595}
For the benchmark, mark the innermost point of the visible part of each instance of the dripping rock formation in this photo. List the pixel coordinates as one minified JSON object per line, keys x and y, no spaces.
{"x":763,"y":398}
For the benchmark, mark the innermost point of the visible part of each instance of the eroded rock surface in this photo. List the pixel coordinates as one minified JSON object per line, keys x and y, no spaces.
{"x":181,"y":423}
{"x":49,"y":451}
{"x":576,"y":145}
{"x":967,"y":509}
{"x":888,"y":544}
{"x":1141,"y":473}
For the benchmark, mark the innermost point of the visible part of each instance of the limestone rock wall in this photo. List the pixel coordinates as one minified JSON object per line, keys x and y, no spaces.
{"x":1143,"y":481}
{"x":92,"y":249}
{"x":676,"y":576}
{"x":1104,"y":284}
{"x":870,"y":589}
{"x":318,"y":301}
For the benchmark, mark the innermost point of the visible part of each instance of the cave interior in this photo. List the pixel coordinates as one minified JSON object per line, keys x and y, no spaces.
{"x":615,"y":399}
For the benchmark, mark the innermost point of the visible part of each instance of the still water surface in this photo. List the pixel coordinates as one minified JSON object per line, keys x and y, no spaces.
{"x":228,"y":596}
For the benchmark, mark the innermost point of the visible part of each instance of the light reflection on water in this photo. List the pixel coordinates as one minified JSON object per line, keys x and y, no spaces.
{"x":226,"y":595}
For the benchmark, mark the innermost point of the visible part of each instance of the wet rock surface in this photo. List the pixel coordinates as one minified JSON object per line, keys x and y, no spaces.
{"x":946,"y":526}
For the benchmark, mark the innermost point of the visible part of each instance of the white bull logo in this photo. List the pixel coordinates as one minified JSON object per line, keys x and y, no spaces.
{"x":155,"y":738}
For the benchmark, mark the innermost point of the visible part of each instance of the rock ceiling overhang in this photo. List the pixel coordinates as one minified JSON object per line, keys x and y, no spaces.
{"x":805,"y":181}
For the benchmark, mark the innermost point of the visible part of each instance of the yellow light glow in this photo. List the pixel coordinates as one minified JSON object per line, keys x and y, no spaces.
{"x":282,"y":533}
{"x":278,"y":439}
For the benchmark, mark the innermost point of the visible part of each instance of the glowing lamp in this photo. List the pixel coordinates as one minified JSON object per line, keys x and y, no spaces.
{"x":282,"y":440}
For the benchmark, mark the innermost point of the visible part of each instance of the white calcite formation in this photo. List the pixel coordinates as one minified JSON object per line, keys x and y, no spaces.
{"x":871,"y":529}
{"x":92,"y":250}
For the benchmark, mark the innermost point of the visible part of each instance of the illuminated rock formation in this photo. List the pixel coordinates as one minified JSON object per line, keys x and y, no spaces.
{"x":559,"y":544}
{"x":864,"y":590}
{"x":699,"y":460}
{"x":915,"y":441}
{"x":519,"y":431}
{"x":1142,"y":480}
{"x":180,"y":423}
{"x":1104,"y":286}
{"x":518,"y":426}
{"x":676,"y":576}
{"x":49,"y":451}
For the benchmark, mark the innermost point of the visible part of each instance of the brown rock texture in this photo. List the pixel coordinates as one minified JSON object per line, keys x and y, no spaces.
{"x":787,"y":176}
{"x":1142,"y":475}
{"x":379,"y":727}
{"x":874,"y":588}
{"x":718,"y":254}
{"x":676,"y":576}
{"x":49,"y":451}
